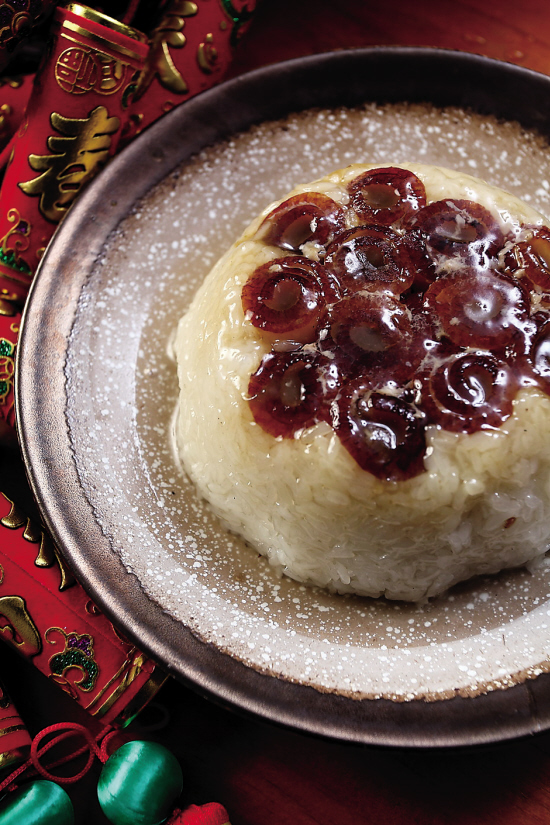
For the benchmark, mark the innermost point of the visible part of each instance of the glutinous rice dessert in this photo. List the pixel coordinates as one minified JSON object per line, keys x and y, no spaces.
{"x":365,"y":382}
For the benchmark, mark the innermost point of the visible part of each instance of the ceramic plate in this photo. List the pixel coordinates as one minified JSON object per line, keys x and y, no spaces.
{"x":97,"y":391}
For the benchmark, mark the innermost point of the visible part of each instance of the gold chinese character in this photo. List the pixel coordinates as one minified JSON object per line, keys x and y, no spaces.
{"x":169,"y":33}
{"x":77,"y":155}
{"x":76,"y":71}
{"x":113,"y":74}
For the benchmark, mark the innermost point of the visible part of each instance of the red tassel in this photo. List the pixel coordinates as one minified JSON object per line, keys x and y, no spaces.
{"x":210,"y":814}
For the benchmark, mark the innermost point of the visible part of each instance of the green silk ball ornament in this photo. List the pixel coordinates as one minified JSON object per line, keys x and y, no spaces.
{"x":39,"y":803}
{"x":139,"y":784}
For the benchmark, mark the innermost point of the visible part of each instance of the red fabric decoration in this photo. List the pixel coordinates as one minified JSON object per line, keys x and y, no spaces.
{"x":100,"y":84}
{"x":72,"y":124}
{"x":210,"y":814}
{"x":48,"y":617}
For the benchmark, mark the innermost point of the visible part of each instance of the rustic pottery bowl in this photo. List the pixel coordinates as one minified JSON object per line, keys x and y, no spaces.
{"x":97,"y":391}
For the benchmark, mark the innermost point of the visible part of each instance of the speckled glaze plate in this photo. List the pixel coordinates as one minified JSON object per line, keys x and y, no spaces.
{"x":97,"y":391}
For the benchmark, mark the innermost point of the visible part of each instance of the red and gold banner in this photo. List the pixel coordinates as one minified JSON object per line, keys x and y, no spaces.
{"x":48,"y":617}
{"x":15,"y":739}
{"x":72,"y":125}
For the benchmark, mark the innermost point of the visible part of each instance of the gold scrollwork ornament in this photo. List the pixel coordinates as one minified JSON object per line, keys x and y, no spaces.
{"x":207,"y":54}
{"x":8,"y":303}
{"x":48,"y":555}
{"x":20,"y":629}
{"x":78,"y":653}
{"x":79,"y":70}
{"x":14,"y":242}
{"x":7,"y":369}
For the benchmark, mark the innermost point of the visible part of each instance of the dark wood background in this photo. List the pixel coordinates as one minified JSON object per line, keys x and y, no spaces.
{"x":262,"y":774}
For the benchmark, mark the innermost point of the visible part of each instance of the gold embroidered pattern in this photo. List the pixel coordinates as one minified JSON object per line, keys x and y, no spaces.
{"x":48,"y":554}
{"x":78,"y":654}
{"x":15,"y":517}
{"x":15,"y":241}
{"x":79,"y":70}
{"x":8,"y":303}
{"x":207,"y":55}
{"x":20,"y":629}
{"x":127,"y":673}
{"x":7,"y":372}
{"x":10,"y":728}
{"x":77,"y":155}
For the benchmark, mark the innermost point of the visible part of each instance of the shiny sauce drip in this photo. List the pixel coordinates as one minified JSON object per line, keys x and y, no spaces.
{"x":420,"y":315}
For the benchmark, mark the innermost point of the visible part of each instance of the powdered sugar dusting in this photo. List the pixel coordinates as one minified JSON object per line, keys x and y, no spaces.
{"x":123,"y":391}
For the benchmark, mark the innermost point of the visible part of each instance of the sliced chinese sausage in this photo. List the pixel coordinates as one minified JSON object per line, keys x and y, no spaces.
{"x":470,"y":391}
{"x":370,"y":257}
{"x":368,"y":323}
{"x":481,"y":309}
{"x":383,"y":433}
{"x":531,"y":259}
{"x":425,"y":270}
{"x":288,"y":295}
{"x":310,"y":216}
{"x":455,"y":227}
{"x":292,"y":391}
{"x":373,"y":331}
{"x":386,"y":195}
{"x":357,"y":443}
{"x":421,"y":315}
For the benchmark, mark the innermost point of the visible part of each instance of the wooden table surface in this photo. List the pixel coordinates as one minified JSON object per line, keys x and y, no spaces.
{"x":269,"y":776}
{"x":515,"y":32}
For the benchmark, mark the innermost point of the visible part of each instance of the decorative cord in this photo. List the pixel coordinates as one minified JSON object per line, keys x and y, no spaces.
{"x":95,"y":746}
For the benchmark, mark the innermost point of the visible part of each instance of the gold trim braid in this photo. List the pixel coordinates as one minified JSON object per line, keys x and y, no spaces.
{"x":11,"y":757}
{"x":100,"y":42}
{"x":12,"y":729}
{"x":110,"y":23}
{"x":142,"y":697}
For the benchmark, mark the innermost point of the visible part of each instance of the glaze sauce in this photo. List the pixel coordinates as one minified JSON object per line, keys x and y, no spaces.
{"x":419,"y":315}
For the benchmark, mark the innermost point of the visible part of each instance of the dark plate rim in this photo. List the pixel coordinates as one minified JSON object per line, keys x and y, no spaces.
{"x":380,"y":74}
